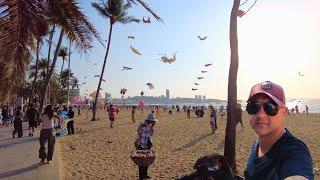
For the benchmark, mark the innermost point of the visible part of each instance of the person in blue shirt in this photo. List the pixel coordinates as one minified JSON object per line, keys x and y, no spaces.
{"x":276,"y":154}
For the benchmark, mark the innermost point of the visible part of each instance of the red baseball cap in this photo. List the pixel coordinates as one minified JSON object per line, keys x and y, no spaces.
{"x":274,"y":91}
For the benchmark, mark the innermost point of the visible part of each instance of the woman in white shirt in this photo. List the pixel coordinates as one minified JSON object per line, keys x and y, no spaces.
{"x":47,"y":133}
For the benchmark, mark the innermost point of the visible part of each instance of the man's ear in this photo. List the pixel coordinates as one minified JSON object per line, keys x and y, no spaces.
{"x":285,"y":111}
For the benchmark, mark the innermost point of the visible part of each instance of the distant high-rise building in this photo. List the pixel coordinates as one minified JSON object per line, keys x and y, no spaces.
{"x":196,"y":97}
{"x":162,"y":97}
{"x":204,"y":97}
{"x":200,"y":97}
{"x":106,"y":95}
{"x":167,"y":94}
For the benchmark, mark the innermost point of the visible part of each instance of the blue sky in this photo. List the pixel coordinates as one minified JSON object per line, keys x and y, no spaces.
{"x":277,"y":40}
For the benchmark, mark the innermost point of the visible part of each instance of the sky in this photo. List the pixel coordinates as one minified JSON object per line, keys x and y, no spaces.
{"x":277,"y":40}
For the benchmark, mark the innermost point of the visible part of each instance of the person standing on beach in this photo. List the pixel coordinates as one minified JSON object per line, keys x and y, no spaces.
{"x":276,"y":154}
{"x":239,"y":115}
{"x":111,"y":113}
{"x":307,"y":110}
{"x":47,"y":134}
{"x":32,"y":115}
{"x":145,"y":131}
{"x":158,"y":115}
{"x":188,"y":112}
{"x":213,"y":119}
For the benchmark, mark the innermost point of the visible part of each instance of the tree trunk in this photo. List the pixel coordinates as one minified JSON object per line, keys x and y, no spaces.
{"x":49,"y":53}
{"x":48,"y":78}
{"x":36,"y":74}
{"x":101,"y":76}
{"x":230,"y":141}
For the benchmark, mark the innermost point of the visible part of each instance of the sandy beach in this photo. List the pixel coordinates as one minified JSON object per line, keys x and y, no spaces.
{"x":98,"y":152}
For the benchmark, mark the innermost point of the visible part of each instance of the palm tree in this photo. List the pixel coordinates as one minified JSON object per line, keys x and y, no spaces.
{"x":116,"y":12}
{"x":21,"y":20}
{"x":146,"y":6}
{"x":63,"y":52}
{"x":75,"y":83}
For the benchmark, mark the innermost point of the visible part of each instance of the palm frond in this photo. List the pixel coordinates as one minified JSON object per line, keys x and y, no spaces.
{"x":146,"y":6}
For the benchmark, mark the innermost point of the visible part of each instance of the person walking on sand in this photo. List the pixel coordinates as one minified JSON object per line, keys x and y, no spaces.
{"x":32,"y":116}
{"x":133,"y":112}
{"x":70,"y":124}
{"x":47,"y":134}
{"x":158,"y":115}
{"x":276,"y":154}
{"x":145,"y":131}
{"x":188,"y":112}
{"x":111,"y":113}
{"x":213,"y":119}
{"x":18,"y":123}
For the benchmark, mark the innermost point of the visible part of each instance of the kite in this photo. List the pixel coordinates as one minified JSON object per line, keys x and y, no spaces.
{"x":301,"y":74}
{"x":165,"y":59}
{"x":85,"y":77}
{"x":103,"y":80}
{"x":123,"y":91}
{"x":132,"y":37}
{"x":196,"y":84}
{"x":84,"y":83}
{"x":142,"y":93}
{"x":96,"y":75}
{"x":206,"y":65}
{"x":194,"y":89}
{"x":141,"y":104}
{"x":146,"y":21}
{"x":204,"y":71}
{"x":204,"y":38}
{"x":200,"y":77}
{"x":126,"y":68}
{"x":242,"y":13}
{"x":134,"y":50}
{"x":109,"y":100}
{"x":150,"y":85}
{"x":95,"y":64}
{"x":100,"y":88}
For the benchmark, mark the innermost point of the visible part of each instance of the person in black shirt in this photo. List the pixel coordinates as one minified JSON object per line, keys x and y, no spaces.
{"x":70,"y":126}
{"x":32,"y":116}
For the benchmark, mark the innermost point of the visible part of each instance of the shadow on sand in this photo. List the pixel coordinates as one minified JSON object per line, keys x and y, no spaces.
{"x":193,"y":142}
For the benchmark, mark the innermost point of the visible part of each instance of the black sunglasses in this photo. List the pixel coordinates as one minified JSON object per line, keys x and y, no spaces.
{"x":270,"y":108}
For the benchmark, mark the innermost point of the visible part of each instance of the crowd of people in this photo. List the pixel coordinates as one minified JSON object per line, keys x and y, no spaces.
{"x":276,"y":154}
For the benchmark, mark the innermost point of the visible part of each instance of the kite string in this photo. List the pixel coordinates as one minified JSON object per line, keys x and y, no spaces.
{"x":243,"y":3}
{"x":250,"y":7}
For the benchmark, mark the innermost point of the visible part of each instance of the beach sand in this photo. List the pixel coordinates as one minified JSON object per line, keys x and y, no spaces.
{"x":98,"y":152}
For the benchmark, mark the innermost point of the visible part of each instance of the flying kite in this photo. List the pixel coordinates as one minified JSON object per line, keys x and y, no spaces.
{"x":196,"y":84}
{"x":242,"y":13}
{"x":84,"y":83}
{"x":206,"y":65}
{"x":103,"y":80}
{"x":301,"y":74}
{"x":131,"y":37}
{"x":85,"y":77}
{"x":146,"y":21}
{"x":200,"y":77}
{"x":150,"y":85}
{"x":95,"y":64}
{"x":204,"y":71}
{"x":165,"y":59}
{"x":142,"y":93}
{"x":126,"y":68}
{"x":134,"y":50}
{"x":194,"y":89}
{"x":96,"y":75}
{"x":100,"y":88}
{"x":123,"y":91}
{"x":204,"y":38}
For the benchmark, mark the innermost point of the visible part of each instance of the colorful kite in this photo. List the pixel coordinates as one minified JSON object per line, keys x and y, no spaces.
{"x":126,"y":68}
{"x":123,"y":91}
{"x":241,"y":13}
{"x":150,"y":85}
{"x":206,"y":65}
{"x":194,"y":89}
{"x":142,"y":93}
{"x":146,"y":21}
{"x":204,"y":71}
{"x":141,"y":104}
{"x":200,"y":77}
{"x":134,"y":50}
{"x":131,"y":37}
{"x":196,"y":84}
{"x":165,"y":59}
{"x":204,"y":38}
